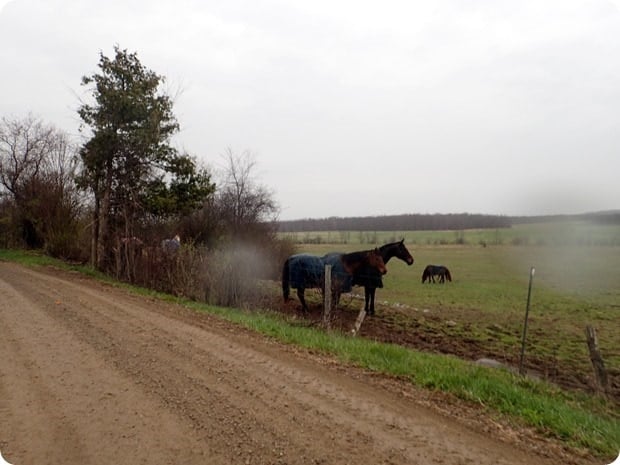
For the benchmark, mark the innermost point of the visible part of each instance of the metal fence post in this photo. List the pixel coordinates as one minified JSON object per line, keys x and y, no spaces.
{"x":527,"y":312}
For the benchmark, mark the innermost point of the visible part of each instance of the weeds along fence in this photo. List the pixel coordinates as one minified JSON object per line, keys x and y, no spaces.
{"x":228,"y":276}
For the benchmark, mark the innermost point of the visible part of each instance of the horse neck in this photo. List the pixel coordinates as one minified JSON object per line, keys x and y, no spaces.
{"x":388,"y":251}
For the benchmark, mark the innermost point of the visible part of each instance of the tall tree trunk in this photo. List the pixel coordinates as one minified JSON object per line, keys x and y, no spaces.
{"x":94,"y":240}
{"x":104,"y":219}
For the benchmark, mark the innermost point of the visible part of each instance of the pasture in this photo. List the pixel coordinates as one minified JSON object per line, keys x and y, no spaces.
{"x":480,"y":314}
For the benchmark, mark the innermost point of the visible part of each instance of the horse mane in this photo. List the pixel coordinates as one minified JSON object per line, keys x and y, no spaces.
{"x":391,"y":244}
{"x":354,"y":256}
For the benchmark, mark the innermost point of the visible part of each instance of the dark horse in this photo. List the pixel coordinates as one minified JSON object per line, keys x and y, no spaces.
{"x":305,"y":271}
{"x":440,"y":271}
{"x":371,"y":279}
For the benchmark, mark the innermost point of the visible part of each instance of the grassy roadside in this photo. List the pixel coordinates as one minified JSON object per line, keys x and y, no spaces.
{"x":578,"y":420}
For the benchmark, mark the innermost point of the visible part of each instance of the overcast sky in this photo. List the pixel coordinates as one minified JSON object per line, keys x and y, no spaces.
{"x":357,"y":108}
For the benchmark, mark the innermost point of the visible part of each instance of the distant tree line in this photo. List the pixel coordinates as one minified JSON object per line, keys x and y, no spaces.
{"x":406,"y":222}
{"x":436,"y":222}
{"x":600,"y":217}
{"x":611,"y":217}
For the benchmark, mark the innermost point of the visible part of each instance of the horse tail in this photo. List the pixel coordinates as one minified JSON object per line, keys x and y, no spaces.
{"x":286,"y":290}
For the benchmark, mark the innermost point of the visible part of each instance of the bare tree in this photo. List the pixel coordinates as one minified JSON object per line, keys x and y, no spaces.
{"x":37,"y":166}
{"x":24,"y":146}
{"x":243,"y":202}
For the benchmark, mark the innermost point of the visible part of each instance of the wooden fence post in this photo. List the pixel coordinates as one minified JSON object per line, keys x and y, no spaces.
{"x":327,"y":296}
{"x":359,"y":321}
{"x":597,"y":360}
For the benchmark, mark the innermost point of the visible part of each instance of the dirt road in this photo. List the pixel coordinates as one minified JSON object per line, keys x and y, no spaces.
{"x":90,"y":374}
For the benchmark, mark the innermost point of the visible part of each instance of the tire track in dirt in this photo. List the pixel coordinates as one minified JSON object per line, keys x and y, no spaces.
{"x":28,"y":390}
{"x":60,"y":402}
{"x":103,"y":366}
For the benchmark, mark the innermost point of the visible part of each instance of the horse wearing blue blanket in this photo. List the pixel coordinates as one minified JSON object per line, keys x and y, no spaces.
{"x":305,"y":271}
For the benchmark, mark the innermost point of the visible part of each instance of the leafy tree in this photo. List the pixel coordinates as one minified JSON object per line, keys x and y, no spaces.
{"x":133,"y":172}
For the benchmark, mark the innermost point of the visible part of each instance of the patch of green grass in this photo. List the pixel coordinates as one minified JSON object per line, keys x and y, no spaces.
{"x":38,"y":258}
{"x":28,"y":257}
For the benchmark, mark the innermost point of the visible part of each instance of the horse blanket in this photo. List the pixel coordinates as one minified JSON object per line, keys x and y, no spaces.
{"x":308,"y":271}
{"x":340,"y":277}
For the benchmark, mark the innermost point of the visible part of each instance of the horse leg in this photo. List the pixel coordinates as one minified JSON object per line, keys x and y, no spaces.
{"x":366,"y":299}
{"x":372,"y":301}
{"x":300,"y":294}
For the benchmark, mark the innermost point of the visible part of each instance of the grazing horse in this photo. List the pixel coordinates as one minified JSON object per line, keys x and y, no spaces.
{"x":371,"y":279}
{"x":305,"y":271}
{"x":440,"y":271}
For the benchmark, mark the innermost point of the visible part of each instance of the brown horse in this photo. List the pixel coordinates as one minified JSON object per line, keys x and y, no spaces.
{"x":371,"y":279}
{"x":305,"y":271}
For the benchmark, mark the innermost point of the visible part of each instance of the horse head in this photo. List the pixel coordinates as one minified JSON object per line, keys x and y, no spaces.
{"x":403,"y":253}
{"x":396,"y":249}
